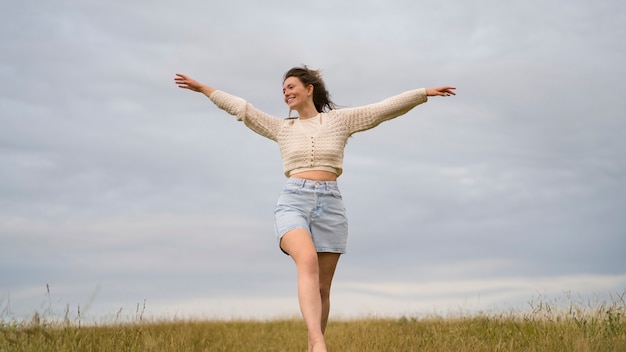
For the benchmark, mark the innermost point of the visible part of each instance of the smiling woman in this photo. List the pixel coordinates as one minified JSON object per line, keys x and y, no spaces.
{"x":304,"y":83}
{"x":310,"y":218}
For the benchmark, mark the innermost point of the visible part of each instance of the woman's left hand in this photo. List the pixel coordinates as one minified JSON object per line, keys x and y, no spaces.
{"x":440,"y":91}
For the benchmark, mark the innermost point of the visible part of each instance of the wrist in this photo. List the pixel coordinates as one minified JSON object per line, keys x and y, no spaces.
{"x":206,"y":90}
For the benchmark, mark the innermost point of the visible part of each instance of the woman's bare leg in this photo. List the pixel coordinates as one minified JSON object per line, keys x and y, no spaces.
{"x":299,"y":245}
{"x":327,"y":264}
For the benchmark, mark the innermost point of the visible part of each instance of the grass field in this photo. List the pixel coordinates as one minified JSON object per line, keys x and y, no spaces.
{"x":546,"y":327}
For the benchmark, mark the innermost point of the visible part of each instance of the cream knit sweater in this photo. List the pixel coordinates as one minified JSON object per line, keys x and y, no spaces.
{"x":324,"y":148}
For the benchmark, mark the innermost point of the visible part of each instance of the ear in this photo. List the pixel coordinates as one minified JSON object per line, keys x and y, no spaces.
{"x":309,"y":90}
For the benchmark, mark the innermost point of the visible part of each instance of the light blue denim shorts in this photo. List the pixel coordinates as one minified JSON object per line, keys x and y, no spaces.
{"x":316,"y":206}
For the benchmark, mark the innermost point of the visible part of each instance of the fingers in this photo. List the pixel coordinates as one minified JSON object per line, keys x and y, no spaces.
{"x":183,"y":81}
{"x":180,"y":78}
{"x":446,"y":91}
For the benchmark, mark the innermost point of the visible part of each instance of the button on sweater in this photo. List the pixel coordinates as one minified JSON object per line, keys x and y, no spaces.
{"x":325,"y":148}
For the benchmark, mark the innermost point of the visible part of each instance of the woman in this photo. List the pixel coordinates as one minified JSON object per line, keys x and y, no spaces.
{"x":310,"y":219}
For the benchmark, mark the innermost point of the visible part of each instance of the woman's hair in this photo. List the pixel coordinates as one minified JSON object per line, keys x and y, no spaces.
{"x":321,"y":98}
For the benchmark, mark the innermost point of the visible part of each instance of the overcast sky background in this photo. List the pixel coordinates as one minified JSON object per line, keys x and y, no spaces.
{"x":117,"y":189}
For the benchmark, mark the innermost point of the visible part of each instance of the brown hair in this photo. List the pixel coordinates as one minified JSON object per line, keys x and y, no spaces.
{"x":321,"y":97}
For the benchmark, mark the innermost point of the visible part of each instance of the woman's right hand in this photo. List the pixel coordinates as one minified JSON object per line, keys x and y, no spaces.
{"x":187,"y":82}
{"x":445,"y":91}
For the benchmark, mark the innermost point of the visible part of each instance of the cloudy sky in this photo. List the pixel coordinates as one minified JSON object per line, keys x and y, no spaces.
{"x":119,"y":190}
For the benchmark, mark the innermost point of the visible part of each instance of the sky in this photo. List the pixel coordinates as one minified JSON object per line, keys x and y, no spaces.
{"x":122,"y":195}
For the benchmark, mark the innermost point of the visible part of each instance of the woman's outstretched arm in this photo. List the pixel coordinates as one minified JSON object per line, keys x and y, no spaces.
{"x":187,"y":82}
{"x":264,"y":124}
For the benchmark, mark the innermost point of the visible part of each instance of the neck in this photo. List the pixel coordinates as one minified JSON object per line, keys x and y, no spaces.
{"x":307,"y":113}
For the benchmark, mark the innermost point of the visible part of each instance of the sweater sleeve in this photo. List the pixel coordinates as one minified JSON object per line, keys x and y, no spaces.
{"x":264,"y":124}
{"x":369,"y":116}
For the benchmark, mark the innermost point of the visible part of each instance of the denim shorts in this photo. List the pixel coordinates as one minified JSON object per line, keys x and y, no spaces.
{"x":315,"y":206}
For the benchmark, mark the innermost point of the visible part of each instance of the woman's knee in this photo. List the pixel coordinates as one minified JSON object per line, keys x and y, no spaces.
{"x":307,"y":263}
{"x":325,"y":292}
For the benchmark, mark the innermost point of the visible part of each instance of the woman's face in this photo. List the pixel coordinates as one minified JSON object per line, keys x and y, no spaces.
{"x":295,"y":94}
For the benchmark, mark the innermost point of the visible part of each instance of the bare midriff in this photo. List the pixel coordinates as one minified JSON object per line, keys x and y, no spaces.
{"x":316,"y":175}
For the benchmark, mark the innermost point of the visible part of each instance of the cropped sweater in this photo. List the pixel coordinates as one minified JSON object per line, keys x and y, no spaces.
{"x":324,"y":148}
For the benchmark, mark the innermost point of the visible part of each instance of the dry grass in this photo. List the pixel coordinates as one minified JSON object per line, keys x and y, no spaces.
{"x":547,"y":327}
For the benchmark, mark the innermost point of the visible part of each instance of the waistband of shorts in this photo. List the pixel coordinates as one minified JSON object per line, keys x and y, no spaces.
{"x":312,"y":184}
